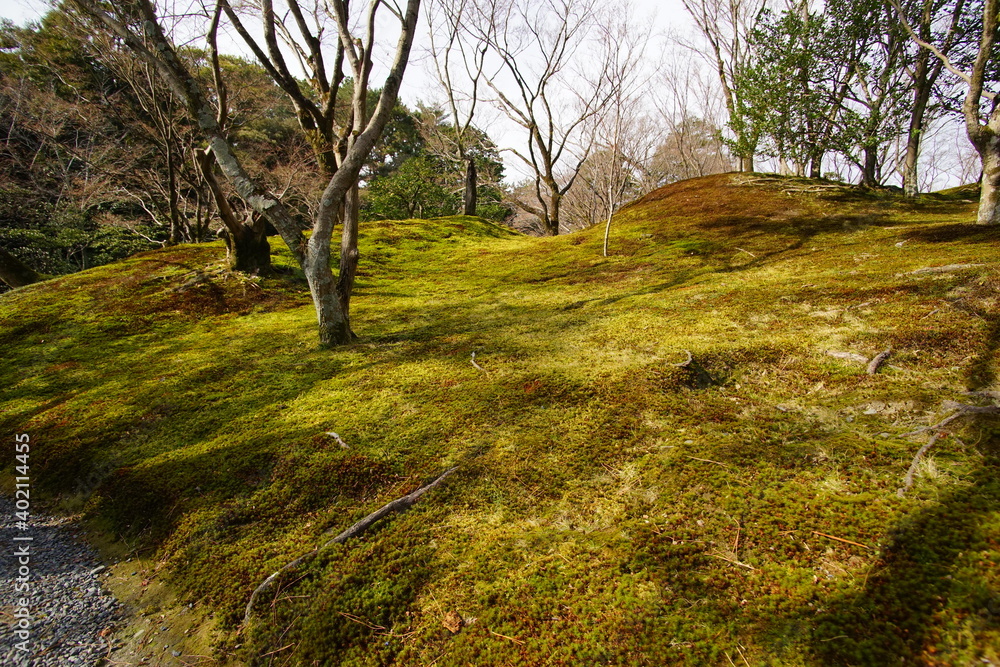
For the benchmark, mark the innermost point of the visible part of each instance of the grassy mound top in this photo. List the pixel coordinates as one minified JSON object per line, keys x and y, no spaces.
{"x":614,"y":504}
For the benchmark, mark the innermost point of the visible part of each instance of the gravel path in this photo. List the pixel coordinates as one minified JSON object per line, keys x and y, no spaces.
{"x":69,"y":605}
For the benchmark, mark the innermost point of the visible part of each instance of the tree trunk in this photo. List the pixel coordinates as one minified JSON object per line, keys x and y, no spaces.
{"x":922,"y":85}
{"x":248,"y":250}
{"x":247,"y":246}
{"x":816,"y":166}
{"x":16,"y":273}
{"x":349,"y":256}
{"x":989,"y":198}
{"x":869,"y":171}
{"x":175,"y":213}
{"x":471,"y":179}
{"x":334,"y":328}
{"x":552,"y":211}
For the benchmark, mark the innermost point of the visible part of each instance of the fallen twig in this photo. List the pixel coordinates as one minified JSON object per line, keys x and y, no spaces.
{"x":708,"y":461}
{"x":478,"y":367}
{"x":497,"y":634}
{"x":878,"y":360}
{"x":908,"y":479}
{"x":733,"y":561}
{"x":841,"y":539}
{"x":396,"y":506}
{"x":278,"y":650}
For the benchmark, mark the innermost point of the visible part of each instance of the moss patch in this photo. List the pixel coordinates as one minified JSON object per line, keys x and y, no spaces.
{"x":613,"y":505}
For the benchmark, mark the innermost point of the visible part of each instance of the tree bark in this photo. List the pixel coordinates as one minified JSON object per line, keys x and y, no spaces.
{"x":816,"y":166}
{"x":471,"y":179}
{"x":869,"y":170}
{"x":922,"y":85}
{"x":16,"y":273}
{"x":349,"y":256}
{"x":334,"y":328}
{"x":552,"y":219}
{"x":247,"y":248}
{"x":989,"y":197}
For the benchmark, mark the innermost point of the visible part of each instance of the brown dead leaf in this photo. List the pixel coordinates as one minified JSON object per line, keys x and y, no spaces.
{"x":452,"y":621}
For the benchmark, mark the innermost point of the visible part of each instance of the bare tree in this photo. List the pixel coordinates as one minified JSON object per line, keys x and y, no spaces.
{"x":725,"y":25}
{"x":546,"y":84}
{"x":692,"y":113}
{"x":312,"y":253}
{"x":459,"y":64}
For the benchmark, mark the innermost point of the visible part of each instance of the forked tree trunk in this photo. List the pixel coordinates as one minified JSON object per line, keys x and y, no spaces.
{"x":471,"y":178}
{"x":989,"y":198}
{"x":247,"y":247}
{"x":334,"y":328}
{"x":16,"y":273}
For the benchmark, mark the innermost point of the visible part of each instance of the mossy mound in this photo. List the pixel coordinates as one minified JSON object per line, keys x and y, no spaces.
{"x":660,"y":460}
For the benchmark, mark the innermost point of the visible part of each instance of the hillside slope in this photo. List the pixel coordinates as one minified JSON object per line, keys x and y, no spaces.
{"x":614,"y":503}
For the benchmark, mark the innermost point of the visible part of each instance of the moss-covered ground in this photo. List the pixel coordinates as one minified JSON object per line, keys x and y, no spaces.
{"x":611,"y":507}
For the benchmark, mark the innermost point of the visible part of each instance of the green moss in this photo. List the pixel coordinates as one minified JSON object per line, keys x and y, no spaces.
{"x":613,"y":505}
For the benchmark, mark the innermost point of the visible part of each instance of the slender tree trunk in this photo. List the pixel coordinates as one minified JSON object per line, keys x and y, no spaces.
{"x":989,"y":198}
{"x":175,"y":213}
{"x":349,"y":256}
{"x":471,"y":179}
{"x":552,"y":219}
{"x":16,"y":273}
{"x":922,"y":84}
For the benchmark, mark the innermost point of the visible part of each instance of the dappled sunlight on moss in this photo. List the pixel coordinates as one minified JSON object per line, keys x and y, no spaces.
{"x":615,"y":503}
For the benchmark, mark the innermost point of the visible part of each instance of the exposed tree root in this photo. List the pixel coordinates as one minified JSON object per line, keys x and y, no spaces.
{"x":961,"y":410}
{"x":394,"y":507}
{"x":874,"y":364}
{"x":478,"y":367}
{"x":686,"y":364}
{"x":849,"y":356}
{"x":942,"y":269}
{"x":877,"y":361}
